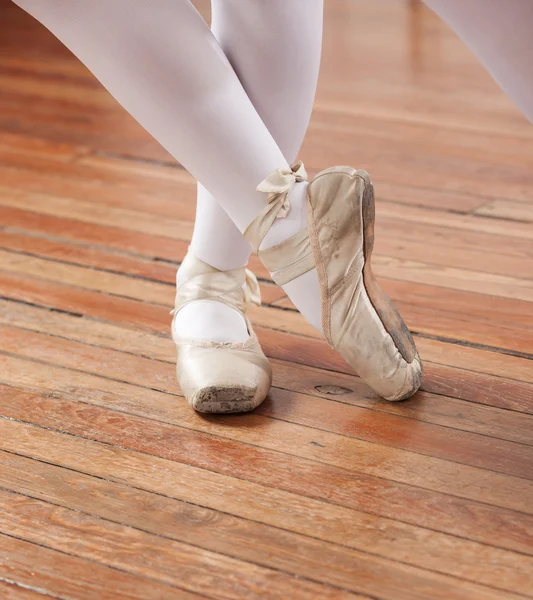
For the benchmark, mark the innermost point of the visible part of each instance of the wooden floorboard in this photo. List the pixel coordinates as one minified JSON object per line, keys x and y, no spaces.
{"x":112,"y":488}
{"x":301,"y":514}
{"x":34,"y":567}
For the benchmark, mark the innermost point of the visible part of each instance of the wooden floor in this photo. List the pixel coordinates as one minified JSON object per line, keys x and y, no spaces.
{"x":112,"y":488}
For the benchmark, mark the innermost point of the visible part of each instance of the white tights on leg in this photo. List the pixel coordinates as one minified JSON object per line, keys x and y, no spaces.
{"x":501,"y":35}
{"x":160,"y":60}
{"x":162,"y":63}
{"x":257,"y":38}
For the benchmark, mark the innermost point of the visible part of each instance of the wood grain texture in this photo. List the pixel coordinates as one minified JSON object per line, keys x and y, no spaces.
{"x":278,"y":507}
{"x":204,"y":527}
{"x":30,"y":568}
{"x":476,"y":451}
{"x":11,"y":591}
{"x":291,"y":380}
{"x":359,"y":491}
{"x":135,"y":551}
{"x":112,"y":488}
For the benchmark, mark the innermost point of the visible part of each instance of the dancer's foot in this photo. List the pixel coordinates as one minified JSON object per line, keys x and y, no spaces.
{"x":220,"y":365}
{"x":331,"y":259}
{"x":304,"y":291}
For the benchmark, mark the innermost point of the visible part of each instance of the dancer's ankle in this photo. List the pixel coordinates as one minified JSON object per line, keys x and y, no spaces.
{"x":295,"y":221}
{"x":207,"y":320}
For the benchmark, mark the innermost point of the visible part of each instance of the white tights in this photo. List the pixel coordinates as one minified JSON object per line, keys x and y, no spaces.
{"x":274,"y":47}
{"x":162,"y":63}
{"x":500,"y":33}
{"x":160,"y":60}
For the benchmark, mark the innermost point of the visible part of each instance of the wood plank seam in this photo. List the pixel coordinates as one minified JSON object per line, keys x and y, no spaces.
{"x":422,"y":335}
{"x":17,"y":584}
{"x":260,"y":328}
{"x":85,"y":558}
{"x":336,"y":434}
{"x":304,"y":393}
{"x":325,"y":367}
{"x":129,"y":453}
{"x":125,"y":524}
{"x":164,"y":336}
{"x":149,"y":530}
{"x":327,"y":500}
{"x":166,"y":537}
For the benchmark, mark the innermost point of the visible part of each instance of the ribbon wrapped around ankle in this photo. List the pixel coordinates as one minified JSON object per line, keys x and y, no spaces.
{"x":252,"y":292}
{"x":220,"y":286}
{"x":278,"y":186}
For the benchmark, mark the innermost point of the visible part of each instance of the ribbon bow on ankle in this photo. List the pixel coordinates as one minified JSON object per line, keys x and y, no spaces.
{"x":278,"y":186}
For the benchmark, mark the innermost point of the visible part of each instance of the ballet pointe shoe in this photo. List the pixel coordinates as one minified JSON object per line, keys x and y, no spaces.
{"x":221,"y":377}
{"x":358,"y":319}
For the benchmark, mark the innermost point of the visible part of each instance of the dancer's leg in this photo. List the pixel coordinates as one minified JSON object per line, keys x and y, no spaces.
{"x":500,"y":34}
{"x":181,"y":87}
{"x":161,"y":61}
{"x":256,"y":37}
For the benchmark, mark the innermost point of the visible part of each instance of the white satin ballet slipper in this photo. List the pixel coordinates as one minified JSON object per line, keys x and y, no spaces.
{"x":221,"y":377}
{"x":358,"y":319}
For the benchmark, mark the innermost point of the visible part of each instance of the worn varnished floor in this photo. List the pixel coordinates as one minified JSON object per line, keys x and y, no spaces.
{"x":111,"y":488}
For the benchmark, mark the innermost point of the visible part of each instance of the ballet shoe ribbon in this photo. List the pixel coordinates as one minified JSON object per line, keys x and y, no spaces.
{"x":278,"y":186}
{"x":221,"y":286}
{"x":252,"y":292}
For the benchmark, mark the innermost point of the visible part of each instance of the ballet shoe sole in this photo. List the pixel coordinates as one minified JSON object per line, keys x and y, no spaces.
{"x":220,"y":400}
{"x":385,"y":309}
{"x":405,"y":376}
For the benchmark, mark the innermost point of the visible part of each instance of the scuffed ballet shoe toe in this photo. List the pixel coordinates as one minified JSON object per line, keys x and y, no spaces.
{"x":224,"y":378}
{"x":217,"y":399}
{"x":221,"y":377}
